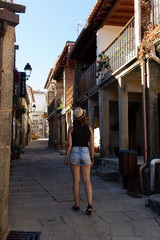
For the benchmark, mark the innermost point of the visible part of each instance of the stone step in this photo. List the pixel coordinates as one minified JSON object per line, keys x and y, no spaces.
{"x":110,"y":163}
{"x":106,"y":174}
{"x":154,"y":202}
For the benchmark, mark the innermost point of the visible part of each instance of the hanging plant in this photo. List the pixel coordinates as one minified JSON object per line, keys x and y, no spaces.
{"x":148,"y":33}
{"x":147,"y":44}
{"x":103,"y":62}
{"x":60,"y":103}
{"x":22,"y":109}
{"x":145,"y":16}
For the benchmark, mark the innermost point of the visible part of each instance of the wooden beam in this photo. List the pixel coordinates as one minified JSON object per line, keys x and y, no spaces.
{"x":11,"y":18}
{"x":121,"y":17}
{"x":124,"y":11}
{"x":108,"y":4}
{"x":12,"y":7}
{"x":126,"y":6}
{"x":112,"y":9}
{"x":115,"y":24}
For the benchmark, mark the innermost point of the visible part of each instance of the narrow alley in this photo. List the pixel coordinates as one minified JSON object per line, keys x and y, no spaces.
{"x":40,"y":200}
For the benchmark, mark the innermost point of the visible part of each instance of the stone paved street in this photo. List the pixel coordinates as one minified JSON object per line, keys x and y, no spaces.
{"x":41,"y":200}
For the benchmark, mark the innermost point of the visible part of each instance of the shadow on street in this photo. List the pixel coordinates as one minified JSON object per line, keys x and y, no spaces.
{"x":41,"y":199}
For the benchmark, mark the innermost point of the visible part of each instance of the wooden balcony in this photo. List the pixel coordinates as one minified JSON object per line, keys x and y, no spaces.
{"x":122,"y":49}
{"x":69,"y":97}
{"x":87,"y":80}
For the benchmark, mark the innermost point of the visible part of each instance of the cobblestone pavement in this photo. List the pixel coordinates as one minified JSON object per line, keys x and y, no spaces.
{"x":41,"y":200}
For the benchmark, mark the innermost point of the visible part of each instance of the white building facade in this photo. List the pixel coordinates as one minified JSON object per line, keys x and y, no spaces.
{"x":39,"y":124}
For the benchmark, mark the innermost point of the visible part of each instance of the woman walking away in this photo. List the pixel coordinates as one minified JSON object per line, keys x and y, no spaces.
{"x":80,"y":157}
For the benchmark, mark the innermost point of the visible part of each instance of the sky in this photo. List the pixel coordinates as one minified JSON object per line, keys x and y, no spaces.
{"x":42,"y":32}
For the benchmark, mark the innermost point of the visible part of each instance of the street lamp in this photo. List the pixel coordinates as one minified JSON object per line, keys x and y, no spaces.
{"x":24,"y":76}
{"x":29,"y":120}
{"x":28,"y":70}
{"x":33,"y":107}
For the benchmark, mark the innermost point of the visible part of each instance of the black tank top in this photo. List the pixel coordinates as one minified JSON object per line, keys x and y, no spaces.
{"x":80,"y":136}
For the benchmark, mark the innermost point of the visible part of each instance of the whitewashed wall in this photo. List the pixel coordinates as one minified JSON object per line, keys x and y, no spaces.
{"x":105,"y":35}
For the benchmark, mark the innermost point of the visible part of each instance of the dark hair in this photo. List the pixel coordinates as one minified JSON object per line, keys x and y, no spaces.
{"x":83,"y":122}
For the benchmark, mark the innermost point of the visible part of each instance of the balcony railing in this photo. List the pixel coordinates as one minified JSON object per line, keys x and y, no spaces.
{"x":155,"y":12}
{"x":87,"y":80}
{"x":122,"y":49}
{"x":69,"y":97}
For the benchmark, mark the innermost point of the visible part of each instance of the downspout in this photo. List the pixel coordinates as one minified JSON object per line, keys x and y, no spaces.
{"x":137,"y":6}
{"x":144,"y":125}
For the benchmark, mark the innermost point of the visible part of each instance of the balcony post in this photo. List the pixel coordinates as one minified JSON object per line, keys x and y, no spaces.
{"x":63,"y":128}
{"x":123,"y":114}
{"x":152,"y":69}
{"x":50,"y":143}
{"x":71,"y":117}
{"x":104,"y":123}
{"x":59,"y":130}
{"x":137,"y":8}
{"x":76,"y":87}
{"x":91,"y":112}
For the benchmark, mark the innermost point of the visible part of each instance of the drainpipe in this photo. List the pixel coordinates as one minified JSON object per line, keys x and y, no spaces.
{"x":137,"y":5}
{"x":152,"y":172}
{"x":144,"y":125}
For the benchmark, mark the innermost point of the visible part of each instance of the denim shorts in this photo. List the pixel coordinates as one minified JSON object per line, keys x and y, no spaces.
{"x":80,"y":156}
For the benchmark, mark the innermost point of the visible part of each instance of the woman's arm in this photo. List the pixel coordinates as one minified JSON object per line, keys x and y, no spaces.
{"x":92,"y":145}
{"x":69,"y":145}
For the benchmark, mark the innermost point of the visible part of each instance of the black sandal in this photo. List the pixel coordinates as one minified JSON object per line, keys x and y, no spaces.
{"x":89,"y":210}
{"x":75,"y":208}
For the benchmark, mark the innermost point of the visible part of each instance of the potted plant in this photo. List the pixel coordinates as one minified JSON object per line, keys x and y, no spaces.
{"x":16,"y":151}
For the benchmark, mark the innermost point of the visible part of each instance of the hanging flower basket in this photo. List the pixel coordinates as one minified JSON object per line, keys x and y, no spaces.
{"x":60,"y":105}
{"x":102,"y":63}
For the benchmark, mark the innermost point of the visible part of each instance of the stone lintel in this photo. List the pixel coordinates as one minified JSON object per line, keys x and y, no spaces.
{"x":11,"y":18}
{"x":12,"y":7}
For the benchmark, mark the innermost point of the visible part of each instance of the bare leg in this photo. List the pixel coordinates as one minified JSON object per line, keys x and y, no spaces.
{"x":76,"y":181}
{"x":85,"y":170}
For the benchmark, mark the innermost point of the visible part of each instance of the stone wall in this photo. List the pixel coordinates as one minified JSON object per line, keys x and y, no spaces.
{"x":5,"y":125}
{"x":37,"y":125}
